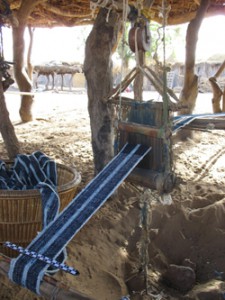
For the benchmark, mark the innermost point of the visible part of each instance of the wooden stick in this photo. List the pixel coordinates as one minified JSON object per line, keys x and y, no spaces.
{"x":50,"y":287}
{"x":220,"y":70}
{"x":217,"y":93}
{"x":206,"y":123}
{"x":125,"y":83}
{"x":170,"y":91}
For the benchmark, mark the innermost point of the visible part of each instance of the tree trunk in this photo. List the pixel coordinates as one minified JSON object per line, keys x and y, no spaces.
{"x":189,"y":92}
{"x":6,"y":127}
{"x":98,"y":73}
{"x":21,"y":76}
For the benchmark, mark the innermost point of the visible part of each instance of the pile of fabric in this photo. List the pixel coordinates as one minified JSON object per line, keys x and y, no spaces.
{"x":35,"y":171}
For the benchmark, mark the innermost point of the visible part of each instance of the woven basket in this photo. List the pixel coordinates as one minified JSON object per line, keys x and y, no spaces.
{"x":21,"y":211}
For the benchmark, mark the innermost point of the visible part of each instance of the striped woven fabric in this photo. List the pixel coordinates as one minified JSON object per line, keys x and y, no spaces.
{"x":183,"y":120}
{"x":28,"y":171}
{"x":35,"y":171}
{"x":28,"y":271}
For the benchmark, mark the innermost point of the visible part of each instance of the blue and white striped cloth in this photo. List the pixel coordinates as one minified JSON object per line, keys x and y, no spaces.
{"x":181,"y":121}
{"x":28,"y":171}
{"x":35,"y":171}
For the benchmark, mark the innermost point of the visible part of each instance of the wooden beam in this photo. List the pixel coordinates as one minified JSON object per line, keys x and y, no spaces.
{"x":163,"y":183}
{"x":137,"y":128}
{"x":206,"y":123}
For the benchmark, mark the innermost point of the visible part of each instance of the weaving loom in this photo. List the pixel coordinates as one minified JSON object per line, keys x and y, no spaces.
{"x":29,"y":271}
{"x":144,"y":124}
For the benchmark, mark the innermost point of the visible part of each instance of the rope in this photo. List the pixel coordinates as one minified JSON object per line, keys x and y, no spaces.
{"x":136,"y":47}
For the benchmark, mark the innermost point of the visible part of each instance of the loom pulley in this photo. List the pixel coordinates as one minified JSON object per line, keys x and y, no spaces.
{"x":139,"y":37}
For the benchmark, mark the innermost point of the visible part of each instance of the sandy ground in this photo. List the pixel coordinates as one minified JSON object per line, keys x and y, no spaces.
{"x":186,"y":242}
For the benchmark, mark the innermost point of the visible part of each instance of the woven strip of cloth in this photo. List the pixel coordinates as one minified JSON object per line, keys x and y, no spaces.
{"x":28,"y":271}
{"x":183,"y":120}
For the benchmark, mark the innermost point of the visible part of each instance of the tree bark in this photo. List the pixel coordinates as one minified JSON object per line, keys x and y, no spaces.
{"x":6,"y":127}
{"x":98,"y":73}
{"x":21,"y":76}
{"x":189,"y":92}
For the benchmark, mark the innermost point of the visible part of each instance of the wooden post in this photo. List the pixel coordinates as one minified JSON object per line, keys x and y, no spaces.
{"x":138,"y":81}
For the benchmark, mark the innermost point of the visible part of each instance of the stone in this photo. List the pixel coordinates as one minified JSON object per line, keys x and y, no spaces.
{"x":181,"y":278}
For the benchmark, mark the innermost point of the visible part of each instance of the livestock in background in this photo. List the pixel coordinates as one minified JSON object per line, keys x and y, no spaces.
{"x":57,"y":73}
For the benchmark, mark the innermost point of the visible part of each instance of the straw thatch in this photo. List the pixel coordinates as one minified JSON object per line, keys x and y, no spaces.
{"x":77,"y":12}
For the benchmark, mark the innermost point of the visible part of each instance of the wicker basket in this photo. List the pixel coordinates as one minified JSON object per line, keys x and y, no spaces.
{"x":21,"y":211}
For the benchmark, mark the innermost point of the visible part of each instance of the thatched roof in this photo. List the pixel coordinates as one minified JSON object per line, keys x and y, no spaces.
{"x":49,"y":13}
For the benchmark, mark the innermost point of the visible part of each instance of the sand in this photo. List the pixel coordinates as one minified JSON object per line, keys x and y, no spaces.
{"x":184,"y":255}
